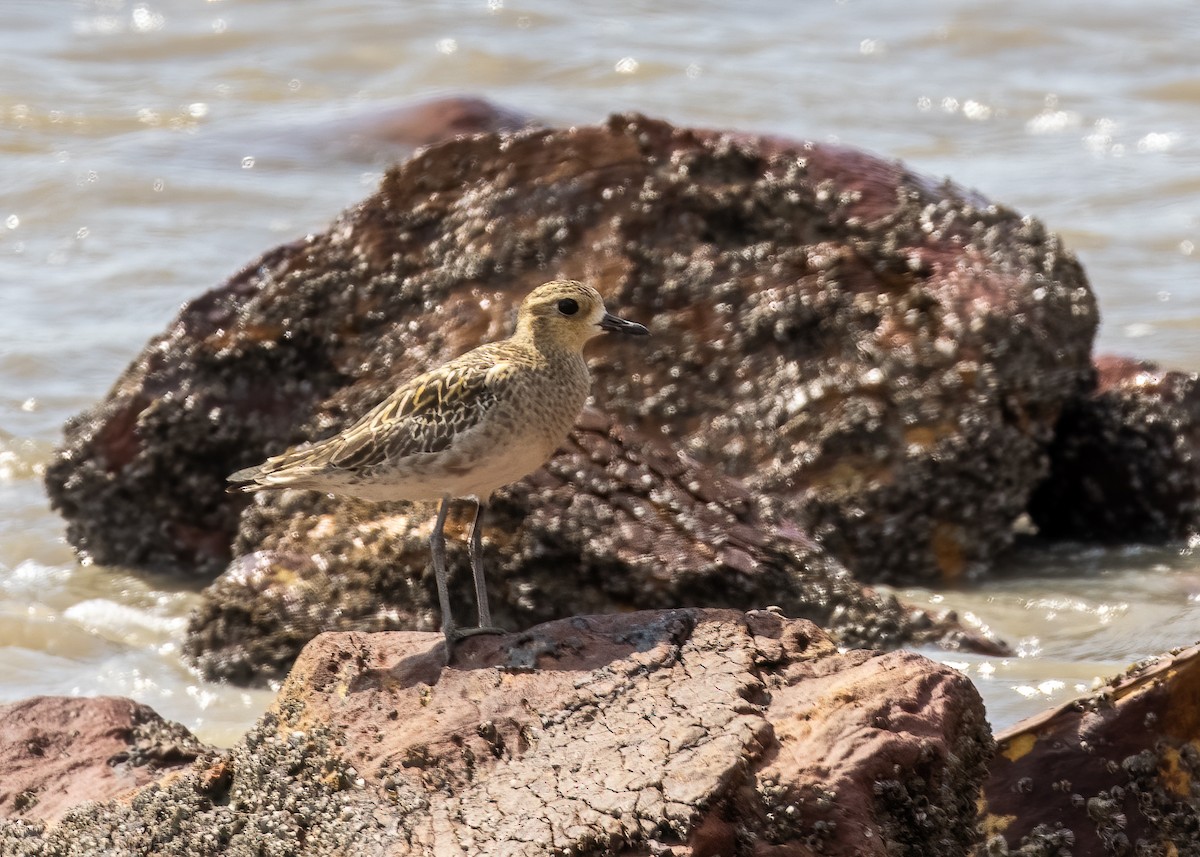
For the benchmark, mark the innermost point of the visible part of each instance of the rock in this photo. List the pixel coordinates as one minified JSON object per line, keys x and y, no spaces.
{"x":616,"y":521}
{"x":402,"y":128}
{"x":57,"y":752}
{"x":684,"y":732}
{"x":1125,"y":462}
{"x":884,"y":356}
{"x":1113,"y":772}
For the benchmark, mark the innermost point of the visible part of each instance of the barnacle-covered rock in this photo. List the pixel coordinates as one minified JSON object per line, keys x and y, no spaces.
{"x":1125,"y":462}
{"x":881,"y":357}
{"x":1116,"y":771}
{"x":57,"y":752}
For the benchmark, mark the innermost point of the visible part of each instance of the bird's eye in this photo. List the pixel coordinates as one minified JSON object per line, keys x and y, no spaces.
{"x":568,"y":306}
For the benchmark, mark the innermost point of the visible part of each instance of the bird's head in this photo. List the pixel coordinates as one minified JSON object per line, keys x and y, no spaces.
{"x":568,"y":313}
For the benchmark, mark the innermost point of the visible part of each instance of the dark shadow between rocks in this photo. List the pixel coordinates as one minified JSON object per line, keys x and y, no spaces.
{"x":1125,"y":461}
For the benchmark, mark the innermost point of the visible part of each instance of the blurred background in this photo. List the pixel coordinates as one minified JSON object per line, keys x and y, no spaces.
{"x":148,"y":150}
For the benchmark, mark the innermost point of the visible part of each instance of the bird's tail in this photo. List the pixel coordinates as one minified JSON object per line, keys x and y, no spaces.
{"x":289,"y":469}
{"x":247,"y":480}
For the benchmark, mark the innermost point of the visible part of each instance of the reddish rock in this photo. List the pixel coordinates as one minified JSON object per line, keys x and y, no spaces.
{"x":403,"y":128}
{"x":706,"y":732}
{"x":882,"y":355}
{"x":617,"y":520}
{"x":1125,"y":462}
{"x":1112,"y":773}
{"x":57,"y":752}
{"x":685,"y":732}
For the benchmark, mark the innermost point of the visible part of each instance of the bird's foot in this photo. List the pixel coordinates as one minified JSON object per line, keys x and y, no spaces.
{"x":453,"y":635}
{"x":460,"y":633}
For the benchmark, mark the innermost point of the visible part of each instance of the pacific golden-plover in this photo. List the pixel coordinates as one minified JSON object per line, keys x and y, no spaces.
{"x":480,"y":421}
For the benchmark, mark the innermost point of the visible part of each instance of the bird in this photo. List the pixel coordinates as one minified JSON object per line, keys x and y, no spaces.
{"x":461,"y":431}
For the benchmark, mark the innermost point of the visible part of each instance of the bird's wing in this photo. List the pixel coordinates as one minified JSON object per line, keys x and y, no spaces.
{"x":423,"y":416}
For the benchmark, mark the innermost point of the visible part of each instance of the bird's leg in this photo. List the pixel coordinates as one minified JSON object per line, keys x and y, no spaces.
{"x":481,"y":596}
{"x":437,"y":546}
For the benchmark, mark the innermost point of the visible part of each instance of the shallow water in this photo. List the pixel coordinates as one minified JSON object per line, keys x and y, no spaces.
{"x":1075,"y":615}
{"x":150,"y":149}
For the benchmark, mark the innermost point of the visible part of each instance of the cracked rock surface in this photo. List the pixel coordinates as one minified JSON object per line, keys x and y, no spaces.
{"x":836,"y":331}
{"x":682,"y":732}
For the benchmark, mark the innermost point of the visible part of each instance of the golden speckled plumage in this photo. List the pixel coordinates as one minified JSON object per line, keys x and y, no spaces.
{"x":447,"y":432}
{"x":480,"y":421}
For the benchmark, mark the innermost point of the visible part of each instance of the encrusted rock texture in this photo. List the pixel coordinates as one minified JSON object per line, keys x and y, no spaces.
{"x":58,"y":752}
{"x":1114,"y":773}
{"x":882,"y":356}
{"x":1125,"y":462}
{"x":616,"y":521}
{"x":684,"y":732}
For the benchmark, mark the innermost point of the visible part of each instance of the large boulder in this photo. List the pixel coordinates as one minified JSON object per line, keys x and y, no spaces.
{"x":617,"y":520}
{"x":1125,"y":462}
{"x":57,"y":752}
{"x":685,"y":732}
{"x":881,"y":355}
{"x":1115,"y":772}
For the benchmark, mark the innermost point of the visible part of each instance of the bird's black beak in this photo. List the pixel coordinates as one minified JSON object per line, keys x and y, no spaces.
{"x":619,"y":325}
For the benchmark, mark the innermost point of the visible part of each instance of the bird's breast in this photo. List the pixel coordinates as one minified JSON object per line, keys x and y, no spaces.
{"x":531,"y":422}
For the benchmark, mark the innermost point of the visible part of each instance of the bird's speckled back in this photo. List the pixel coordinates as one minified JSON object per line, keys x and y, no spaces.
{"x":480,"y":421}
